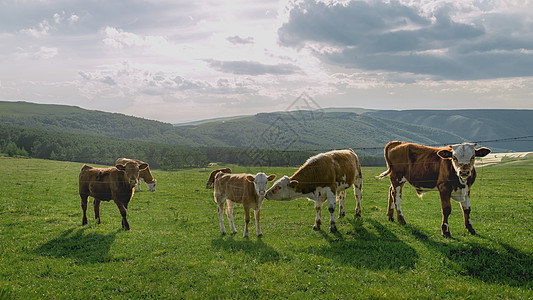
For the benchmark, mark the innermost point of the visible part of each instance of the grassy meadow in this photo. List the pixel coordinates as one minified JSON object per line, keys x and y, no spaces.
{"x":175,"y":249}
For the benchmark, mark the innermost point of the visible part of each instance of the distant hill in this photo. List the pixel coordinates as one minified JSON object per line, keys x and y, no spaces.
{"x":473,"y":124}
{"x":367,"y":131}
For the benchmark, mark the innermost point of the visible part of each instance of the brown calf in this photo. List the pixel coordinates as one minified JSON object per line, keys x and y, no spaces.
{"x":116,"y":183}
{"x":211,"y":179}
{"x":448,"y":170}
{"x":245,"y":189}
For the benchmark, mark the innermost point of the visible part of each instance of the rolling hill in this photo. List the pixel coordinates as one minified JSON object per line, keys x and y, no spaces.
{"x":365,"y":130}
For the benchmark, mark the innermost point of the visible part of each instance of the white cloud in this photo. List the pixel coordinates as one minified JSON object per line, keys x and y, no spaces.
{"x":42,"y":53}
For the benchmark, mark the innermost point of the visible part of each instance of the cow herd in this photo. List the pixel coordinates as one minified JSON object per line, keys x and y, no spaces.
{"x":322,"y":178}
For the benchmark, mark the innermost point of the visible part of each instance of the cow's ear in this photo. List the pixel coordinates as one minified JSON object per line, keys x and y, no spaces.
{"x":482,"y":152}
{"x":120,"y":167}
{"x":143,"y":166}
{"x":250,"y":178}
{"x":293,"y":183}
{"x":271,"y":177}
{"x":444,"y":153}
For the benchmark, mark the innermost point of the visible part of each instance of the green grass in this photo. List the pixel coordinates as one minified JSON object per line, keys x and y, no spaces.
{"x":175,"y":249}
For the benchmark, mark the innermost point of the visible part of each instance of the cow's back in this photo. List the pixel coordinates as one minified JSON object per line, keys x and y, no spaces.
{"x":234,"y":186}
{"x":329,"y":170}
{"x":102,"y":184}
{"x":420,"y":165}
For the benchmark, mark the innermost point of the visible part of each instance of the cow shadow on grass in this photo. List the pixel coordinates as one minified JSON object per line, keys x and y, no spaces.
{"x":371,"y":246}
{"x":494,"y":262}
{"x":85,"y":248}
{"x":258,"y":250}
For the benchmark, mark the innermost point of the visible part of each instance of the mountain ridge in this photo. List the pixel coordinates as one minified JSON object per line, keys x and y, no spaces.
{"x":329,"y":128}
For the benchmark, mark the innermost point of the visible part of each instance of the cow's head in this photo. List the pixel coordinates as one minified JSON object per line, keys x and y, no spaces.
{"x":463,"y":157}
{"x":260,"y":181}
{"x":282,"y":190}
{"x":151,"y":185}
{"x":131,"y":171}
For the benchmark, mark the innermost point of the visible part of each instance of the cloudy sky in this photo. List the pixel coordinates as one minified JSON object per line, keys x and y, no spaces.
{"x":179,"y":60}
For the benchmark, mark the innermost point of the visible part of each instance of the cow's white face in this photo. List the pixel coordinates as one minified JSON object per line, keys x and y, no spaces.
{"x":260,"y":181}
{"x":463,"y":158}
{"x":151,"y":186}
{"x":282,"y":190}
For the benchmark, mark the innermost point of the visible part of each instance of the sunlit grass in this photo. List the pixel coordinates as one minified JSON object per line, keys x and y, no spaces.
{"x":175,"y":249}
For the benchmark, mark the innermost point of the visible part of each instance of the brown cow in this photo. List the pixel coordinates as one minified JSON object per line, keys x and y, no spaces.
{"x":245,"y":189}
{"x":211,"y":179}
{"x":449,"y":170}
{"x":323,"y":177}
{"x":116,"y":183}
{"x":144,"y":174}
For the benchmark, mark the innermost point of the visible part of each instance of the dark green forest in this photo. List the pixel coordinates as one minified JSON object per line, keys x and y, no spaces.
{"x":92,"y":149}
{"x":69,"y":133}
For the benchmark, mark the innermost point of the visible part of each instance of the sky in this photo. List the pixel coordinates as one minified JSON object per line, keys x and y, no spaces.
{"x":177,"y":61}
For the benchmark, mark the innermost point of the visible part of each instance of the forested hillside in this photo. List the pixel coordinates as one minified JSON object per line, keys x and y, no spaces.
{"x":284,"y":138}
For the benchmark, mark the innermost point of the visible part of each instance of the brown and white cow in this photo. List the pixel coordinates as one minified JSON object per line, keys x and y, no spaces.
{"x":448,"y":170}
{"x":321,"y":178}
{"x":116,"y":183}
{"x":212,"y":175}
{"x":245,"y":189}
{"x":144,"y":174}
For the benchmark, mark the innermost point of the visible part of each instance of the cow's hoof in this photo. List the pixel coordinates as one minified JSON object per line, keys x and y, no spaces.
{"x":342,"y":215}
{"x":333,"y":228}
{"x":471,"y":230}
{"x":316,"y":228}
{"x":401,"y":221}
{"x":447,"y":234}
{"x":391,"y":219}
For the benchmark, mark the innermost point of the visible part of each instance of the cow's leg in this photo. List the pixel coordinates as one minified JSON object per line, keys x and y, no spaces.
{"x":341,"y":198}
{"x":229,"y":213}
{"x":465,"y":205}
{"x":390,"y":205}
{"x":395,"y":200}
{"x":331,"y":208}
{"x":97,"y":210}
{"x":257,"y":217}
{"x":123,"y":212}
{"x":358,"y":193}
{"x":446,"y":211}
{"x":318,"y":218}
{"x":84,"y":203}
{"x":246,"y":220}
{"x":220,"y":209}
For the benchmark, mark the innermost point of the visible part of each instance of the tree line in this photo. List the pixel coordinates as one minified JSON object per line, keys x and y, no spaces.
{"x":93,"y":149}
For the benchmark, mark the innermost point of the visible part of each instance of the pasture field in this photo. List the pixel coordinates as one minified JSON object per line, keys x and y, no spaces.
{"x":175,"y":250}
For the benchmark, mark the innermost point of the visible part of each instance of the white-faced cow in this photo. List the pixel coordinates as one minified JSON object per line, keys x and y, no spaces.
{"x":212,"y":175}
{"x":116,"y":183}
{"x":245,"y":189}
{"x":448,"y":170}
{"x":322,"y":178}
{"x":144,"y":175}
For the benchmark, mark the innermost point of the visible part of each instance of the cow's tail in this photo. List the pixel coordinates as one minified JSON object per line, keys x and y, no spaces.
{"x":386,"y":150}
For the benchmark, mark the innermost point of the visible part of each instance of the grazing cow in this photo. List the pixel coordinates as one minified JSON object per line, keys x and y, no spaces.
{"x":321,"y":178}
{"x":116,"y":183}
{"x":144,"y":175}
{"x":449,"y":170}
{"x":211,"y":179}
{"x":248,"y":190}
